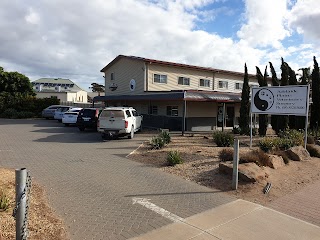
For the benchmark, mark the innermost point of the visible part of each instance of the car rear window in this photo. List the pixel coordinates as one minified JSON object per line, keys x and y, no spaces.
{"x":112,"y":113}
{"x":88,"y":112}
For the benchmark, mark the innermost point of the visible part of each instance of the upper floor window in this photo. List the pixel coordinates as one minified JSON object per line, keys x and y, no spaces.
{"x":239,"y":86}
{"x":183,"y":81}
{"x":204,"y":83}
{"x":112,"y":76}
{"x":159,"y":78}
{"x":172,"y":111}
{"x":153,"y":110}
{"x":223,"y":84}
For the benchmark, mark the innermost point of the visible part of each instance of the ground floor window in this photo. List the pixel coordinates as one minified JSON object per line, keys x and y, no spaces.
{"x":172,"y":111}
{"x":153,"y":110}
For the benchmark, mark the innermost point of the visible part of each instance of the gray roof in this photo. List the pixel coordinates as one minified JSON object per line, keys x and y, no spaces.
{"x":58,"y":82}
{"x":179,"y":95}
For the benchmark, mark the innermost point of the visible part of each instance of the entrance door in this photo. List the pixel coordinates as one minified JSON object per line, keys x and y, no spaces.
{"x":229,"y":116}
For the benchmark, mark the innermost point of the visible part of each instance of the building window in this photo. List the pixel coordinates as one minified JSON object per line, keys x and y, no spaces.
{"x":223,"y":84}
{"x":239,"y":86}
{"x":159,"y":78}
{"x":153,"y":110}
{"x":112,"y":76}
{"x":183,"y":81}
{"x":172,"y":111}
{"x":204,"y":83}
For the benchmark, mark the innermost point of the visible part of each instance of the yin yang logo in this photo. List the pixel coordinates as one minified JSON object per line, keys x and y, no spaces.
{"x":263,"y":99}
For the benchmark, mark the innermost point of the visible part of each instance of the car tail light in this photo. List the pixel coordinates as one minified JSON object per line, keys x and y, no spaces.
{"x":126,"y":124}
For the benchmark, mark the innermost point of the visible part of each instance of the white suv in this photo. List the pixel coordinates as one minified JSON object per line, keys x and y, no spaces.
{"x":119,"y":121}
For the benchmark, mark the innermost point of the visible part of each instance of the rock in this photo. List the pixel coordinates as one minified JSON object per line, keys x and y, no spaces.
{"x":275,"y":161}
{"x":248,"y":172}
{"x":298,"y":153}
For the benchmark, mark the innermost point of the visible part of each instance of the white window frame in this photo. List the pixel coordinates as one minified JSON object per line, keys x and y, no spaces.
{"x":204,"y":81}
{"x":184,"y":81}
{"x":223,"y":84}
{"x":238,"y":86}
{"x":162,"y":78}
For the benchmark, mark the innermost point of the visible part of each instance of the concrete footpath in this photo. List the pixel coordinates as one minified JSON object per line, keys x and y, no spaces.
{"x":235,"y":221}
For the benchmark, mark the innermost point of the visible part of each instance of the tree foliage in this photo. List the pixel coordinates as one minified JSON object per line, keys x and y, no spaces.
{"x":293,"y":120}
{"x":283,"y":120}
{"x":275,"y":82}
{"x":263,"y":118}
{"x":245,"y":104}
{"x":99,"y":88}
{"x":15,"y":91}
{"x":315,"y":107}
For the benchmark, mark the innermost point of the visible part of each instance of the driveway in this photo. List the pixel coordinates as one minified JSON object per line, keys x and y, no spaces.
{"x":91,"y":184}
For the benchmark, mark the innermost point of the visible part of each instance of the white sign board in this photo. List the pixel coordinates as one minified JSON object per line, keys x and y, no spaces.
{"x":286,"y":100}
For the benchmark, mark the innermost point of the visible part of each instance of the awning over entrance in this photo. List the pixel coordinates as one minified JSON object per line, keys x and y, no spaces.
{"x":181,"y":95}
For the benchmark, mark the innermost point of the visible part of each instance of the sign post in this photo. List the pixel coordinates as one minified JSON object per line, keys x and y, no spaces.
{"x":281,"y":100}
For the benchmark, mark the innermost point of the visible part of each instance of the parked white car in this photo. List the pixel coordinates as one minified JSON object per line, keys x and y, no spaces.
{"x":60,"y":111}
{"x":119,"y":121}
{"x":70,"y":116}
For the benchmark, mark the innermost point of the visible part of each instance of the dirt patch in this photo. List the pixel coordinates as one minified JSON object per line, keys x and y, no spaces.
{"x":43,"y":222}
{"x":201,"y":165}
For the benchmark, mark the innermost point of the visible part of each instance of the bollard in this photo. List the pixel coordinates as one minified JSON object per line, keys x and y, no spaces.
{"x":235,"y":165}
{"x":21,"y":201}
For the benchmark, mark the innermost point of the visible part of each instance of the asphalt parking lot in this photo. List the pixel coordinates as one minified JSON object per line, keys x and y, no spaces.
{"x":93,"y":186}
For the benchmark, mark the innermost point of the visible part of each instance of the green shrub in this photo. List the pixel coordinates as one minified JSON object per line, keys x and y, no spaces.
{"x":313,"y":150}
{"x":296,"y":137}
{"x":25,"y":114}
{"x":165,"y":136}
{"x":226,"y":154}
{"x":157,"y":142}
{"x":4,"y":201}
{"x":223,"y":139}
{"x":174,"y":158}
{"x":258,"y":157}
{"x":9,"y":113}
{"x":266,"y":144}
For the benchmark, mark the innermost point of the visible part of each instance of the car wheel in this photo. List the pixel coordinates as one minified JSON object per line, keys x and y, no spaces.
{"x":66,"y":124}
{"x":131,"y":133}
{"x":81,"y":129}
{"x":104,"y":136}
{"x":140,"y":129}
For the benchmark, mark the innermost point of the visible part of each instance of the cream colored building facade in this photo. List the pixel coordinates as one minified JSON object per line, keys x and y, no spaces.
{"x":63,"y":89}
{"x":175,"y":96}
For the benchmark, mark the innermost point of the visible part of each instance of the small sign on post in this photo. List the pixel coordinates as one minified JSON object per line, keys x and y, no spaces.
{"x":235,"y":164}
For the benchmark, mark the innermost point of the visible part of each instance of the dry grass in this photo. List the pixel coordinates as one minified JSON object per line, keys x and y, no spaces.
{"x":43,"y":223}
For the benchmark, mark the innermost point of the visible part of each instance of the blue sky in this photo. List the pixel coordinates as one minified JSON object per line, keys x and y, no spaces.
{"x":76,"y":39}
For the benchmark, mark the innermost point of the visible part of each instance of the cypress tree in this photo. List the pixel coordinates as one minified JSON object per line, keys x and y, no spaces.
{"x":293,"y":120}
{"x":283,"y":120}
{"x":263,"y":118}
{"x":275,"y":82}
{"x":245,"y":104}
{"x":315,"y":107}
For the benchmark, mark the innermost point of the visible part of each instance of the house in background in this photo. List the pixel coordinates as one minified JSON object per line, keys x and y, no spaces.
{"x":64,"y":89}
{"x":175,"y":96}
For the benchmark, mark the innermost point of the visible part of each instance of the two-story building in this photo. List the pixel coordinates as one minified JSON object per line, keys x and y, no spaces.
{"x":174,"y":96}
{"x":63,"y":89}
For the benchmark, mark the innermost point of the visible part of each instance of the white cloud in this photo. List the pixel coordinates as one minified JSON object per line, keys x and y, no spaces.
{"x":265,"y":23}
{"x":305,"y":18}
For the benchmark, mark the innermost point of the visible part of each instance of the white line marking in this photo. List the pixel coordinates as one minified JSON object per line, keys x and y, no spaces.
{"x":145,"y":202}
